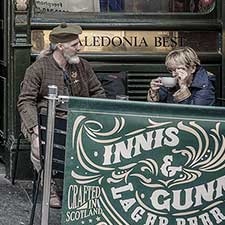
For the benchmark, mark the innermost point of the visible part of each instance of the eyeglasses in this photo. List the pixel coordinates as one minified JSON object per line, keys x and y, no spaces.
{"x":171,"y":70}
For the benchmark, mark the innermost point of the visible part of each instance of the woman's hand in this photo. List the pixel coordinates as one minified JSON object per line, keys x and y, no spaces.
{"x":153,"y":92}
{"x":183,"y":78}
{"x":155,"y":84}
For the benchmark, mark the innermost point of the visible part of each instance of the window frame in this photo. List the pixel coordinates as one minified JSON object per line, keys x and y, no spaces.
{"x":122,"y":18}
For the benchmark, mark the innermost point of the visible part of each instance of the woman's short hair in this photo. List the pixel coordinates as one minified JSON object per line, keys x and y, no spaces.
{"x":184,"y":56}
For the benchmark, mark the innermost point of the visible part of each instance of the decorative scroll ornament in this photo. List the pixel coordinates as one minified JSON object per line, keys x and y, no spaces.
{"x":21,"y":5}
{"x":199,"y":159}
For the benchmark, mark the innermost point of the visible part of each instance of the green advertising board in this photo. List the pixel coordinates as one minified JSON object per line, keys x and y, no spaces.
{"x":144,"y":163}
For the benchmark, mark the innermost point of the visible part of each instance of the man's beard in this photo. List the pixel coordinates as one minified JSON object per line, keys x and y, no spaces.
{"x":71,"y":59}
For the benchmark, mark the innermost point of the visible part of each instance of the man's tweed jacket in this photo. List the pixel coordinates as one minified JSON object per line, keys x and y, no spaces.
{"x":79,"y":80}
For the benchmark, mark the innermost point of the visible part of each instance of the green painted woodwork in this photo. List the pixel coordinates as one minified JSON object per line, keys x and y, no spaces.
{"x":140,"y":67}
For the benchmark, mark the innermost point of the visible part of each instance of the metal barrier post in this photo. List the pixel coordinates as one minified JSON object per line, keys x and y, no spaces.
{"x":52,"y":97}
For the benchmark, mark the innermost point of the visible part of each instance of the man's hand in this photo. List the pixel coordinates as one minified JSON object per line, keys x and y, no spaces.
{"x":35,"y":143}
{"x":35,"y":130}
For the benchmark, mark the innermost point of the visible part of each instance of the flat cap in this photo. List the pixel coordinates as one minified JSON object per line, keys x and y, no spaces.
{"x":64,"y":33}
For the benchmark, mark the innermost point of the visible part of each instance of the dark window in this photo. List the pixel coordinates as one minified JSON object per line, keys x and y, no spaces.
{"x":161,"y":6}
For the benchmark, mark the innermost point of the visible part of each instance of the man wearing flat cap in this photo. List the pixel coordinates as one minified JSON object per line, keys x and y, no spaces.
{"x":61,"y":66}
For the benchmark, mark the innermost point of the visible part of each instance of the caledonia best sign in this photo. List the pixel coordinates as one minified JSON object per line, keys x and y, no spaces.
{"x":134,"y":41}
{"x":147,"y":164}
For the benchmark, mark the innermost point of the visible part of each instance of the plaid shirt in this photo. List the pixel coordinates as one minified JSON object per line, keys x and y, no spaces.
{"x":78,"y":80}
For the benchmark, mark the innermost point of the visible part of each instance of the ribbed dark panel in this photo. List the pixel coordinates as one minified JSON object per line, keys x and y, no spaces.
{"x":138,"y":85}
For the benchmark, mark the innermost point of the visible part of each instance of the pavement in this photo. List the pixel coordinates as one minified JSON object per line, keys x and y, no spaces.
{"x":16,"y":203}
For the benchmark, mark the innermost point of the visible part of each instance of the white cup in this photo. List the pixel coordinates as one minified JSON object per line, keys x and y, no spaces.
{"x":122,"y":97}
{"x":169,"y":81}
